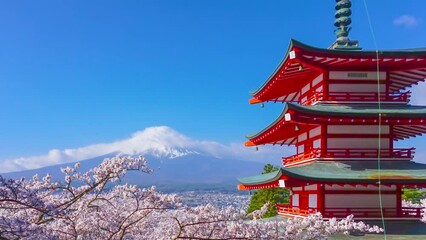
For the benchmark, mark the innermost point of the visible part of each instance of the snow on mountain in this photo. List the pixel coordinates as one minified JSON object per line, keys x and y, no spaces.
{"x":159,"y":142}
{"x":192,"y":171}
{"x":178,"y":161}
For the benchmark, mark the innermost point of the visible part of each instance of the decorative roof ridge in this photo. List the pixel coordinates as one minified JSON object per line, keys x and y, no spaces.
{"x":342,"y":22}
{"x":305,"y":46}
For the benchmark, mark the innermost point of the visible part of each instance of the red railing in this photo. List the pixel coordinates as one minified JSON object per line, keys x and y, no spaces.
{"x":360,"y":212}
{"x":373,"y":212}
{"x":415,"y":212}
{"x":405,"y":212}
{"x":342,"y":153}
{"x":286,"y":209}
{"x":369,"y":153}
{"x":316,"y":153}
{"x":403,"y":97}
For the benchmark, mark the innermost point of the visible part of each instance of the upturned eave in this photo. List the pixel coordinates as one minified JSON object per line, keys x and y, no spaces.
{"x":296,"y":118}
{"x":302,"y":63}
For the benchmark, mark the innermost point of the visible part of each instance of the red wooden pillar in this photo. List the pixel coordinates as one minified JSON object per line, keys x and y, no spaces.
{"x":398,"y":200}
{"x":324,"y":140}
{"x":387,"y":85}
{"x":325,"y":86}
{"x":321,"y":198}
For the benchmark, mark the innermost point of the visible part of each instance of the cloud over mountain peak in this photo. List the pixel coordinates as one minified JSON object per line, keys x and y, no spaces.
{"x":160,"y":142}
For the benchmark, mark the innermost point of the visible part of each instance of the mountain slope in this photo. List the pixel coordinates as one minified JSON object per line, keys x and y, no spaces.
{"x":187,"y":172}
{"x":178,"y":161}
{"x":159,"y":142}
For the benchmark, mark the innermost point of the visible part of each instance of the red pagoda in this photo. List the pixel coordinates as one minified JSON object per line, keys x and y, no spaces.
{"x":345,"y":108}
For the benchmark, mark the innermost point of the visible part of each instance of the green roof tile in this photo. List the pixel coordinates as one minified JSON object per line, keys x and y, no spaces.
{"x":260,"y":179}
{"x":348,"y":172}
{"x":360,"y":171}
{"x":362,"y":110}
{"x":354,"y":110}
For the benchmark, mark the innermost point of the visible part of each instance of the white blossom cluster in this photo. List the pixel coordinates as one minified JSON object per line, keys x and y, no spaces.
{"x":410,"y":204}
{"x":86,"y":206}
{"x":422,"y":204}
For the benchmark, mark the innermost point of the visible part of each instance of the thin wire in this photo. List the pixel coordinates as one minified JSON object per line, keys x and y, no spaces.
{"x":379,"y":118}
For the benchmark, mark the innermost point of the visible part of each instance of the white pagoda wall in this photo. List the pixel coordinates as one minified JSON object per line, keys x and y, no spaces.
{"x":368,"y":143}
{"x":358,"y":187}
{"x":313,"y":200}
{"x":312,"y":195}
{"x":355,"y":81}
{"x":361,"y":87}
{"x":356,"y":75}
{"x":313,"y":135}
{"x":339,"y":200}
{"x":345,"y":137}
{"x":295,"y":200}
{"x":349,"y":138}
{"x":313,"y":86}
{"x":348,"y":196}
{"x":359,"y":200}
{"x":357,"y":129}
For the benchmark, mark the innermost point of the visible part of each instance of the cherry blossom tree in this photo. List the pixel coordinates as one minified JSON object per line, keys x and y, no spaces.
{"x":422,"y":204}
{"x":92,"y":205}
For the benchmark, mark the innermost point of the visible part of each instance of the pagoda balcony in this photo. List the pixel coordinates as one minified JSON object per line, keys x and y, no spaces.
{"x":287,"y":210}
{"x":404,"y":212}
{"x":402,"y":97}
{"x":349,"y":154}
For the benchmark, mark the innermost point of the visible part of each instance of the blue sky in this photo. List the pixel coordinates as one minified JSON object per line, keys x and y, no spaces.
{"x":75,"y":73}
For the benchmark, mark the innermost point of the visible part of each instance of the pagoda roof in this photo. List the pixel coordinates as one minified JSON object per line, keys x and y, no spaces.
{"x":302,"y":63}
{"x":360,"y":171}
{"x":411,"y":120}
{"x":370,"y":110}
{"x":262,"y":178}
{"x":351,"y":172}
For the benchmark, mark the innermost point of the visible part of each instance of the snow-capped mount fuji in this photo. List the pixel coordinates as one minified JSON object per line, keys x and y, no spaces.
{"x":178,"y":161}
{"x":159,"y":142}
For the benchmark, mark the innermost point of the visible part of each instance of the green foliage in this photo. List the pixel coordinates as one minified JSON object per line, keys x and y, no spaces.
{"x":268,"y":168}
{"x":412,"y":194}
{"x":272,"y":195}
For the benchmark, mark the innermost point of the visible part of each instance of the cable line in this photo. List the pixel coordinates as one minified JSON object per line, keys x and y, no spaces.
{"x":379,"y":119}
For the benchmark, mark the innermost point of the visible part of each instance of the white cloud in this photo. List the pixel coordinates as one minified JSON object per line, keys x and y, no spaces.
{"x":159,"y":141}
{"x":407,"y":21}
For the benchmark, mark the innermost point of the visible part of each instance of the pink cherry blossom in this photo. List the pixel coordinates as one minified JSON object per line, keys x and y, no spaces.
{"x":93,"y":205}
